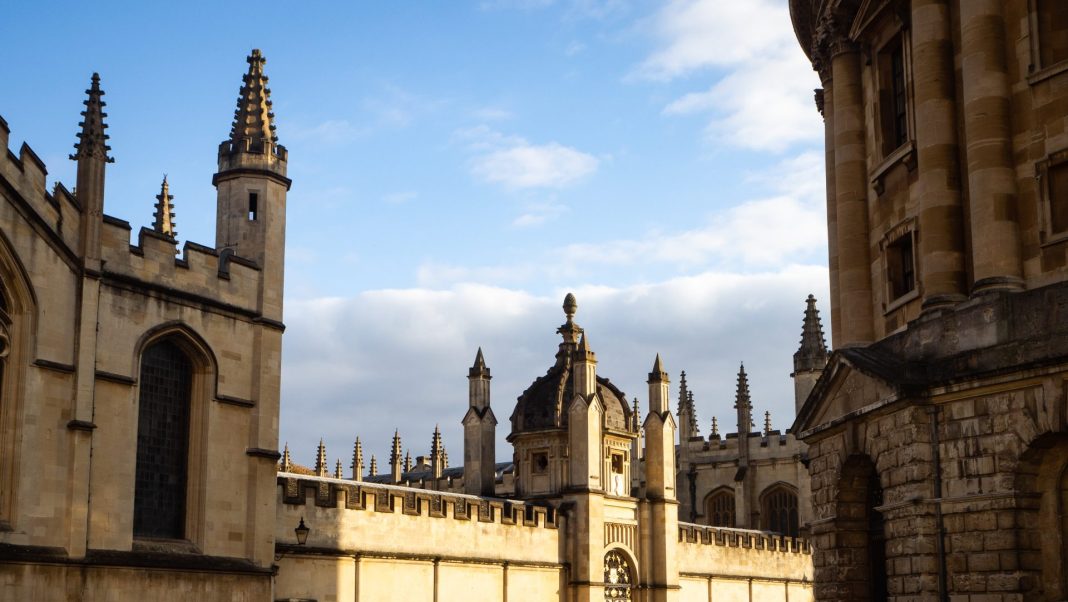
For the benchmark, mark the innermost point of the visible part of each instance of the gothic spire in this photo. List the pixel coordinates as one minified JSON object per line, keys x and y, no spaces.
{"x":694,"y":429}
{"x":374,"y":465}
{"x":743,"y":403}
{"x":163,"y":219}
{"x":636,"y":423}
{"x":338,"y":473}
{"x":92,"y":141}
{"x":287,"y":462}
{"x":321,"y":467}
{"x":408,"y":461}
{"x":479,"y":367}
{"x":715,"y":429}
{"x":767,"y":423}
{"x":437,"y":453}
{"x":253,"y":117}
{"x":395,"y":453}
{"x":812,"y":355}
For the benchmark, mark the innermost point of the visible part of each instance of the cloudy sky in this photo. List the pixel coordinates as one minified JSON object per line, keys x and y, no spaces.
{"x":459,"y":167}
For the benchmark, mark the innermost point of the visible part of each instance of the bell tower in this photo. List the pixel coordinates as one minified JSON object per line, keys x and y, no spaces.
{"x":252,"y":186}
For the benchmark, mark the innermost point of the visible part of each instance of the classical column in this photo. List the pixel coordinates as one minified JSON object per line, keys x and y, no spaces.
{"x":987,"y":138}
{"x":825,"y":103}
{"x":941,"y":228}
{"x":851,"y":199}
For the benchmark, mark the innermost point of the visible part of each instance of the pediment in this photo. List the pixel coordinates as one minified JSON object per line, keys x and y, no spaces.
{"x":852,"y":381}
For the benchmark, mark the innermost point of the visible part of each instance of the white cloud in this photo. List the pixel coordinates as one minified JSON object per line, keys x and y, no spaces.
{"x":515,"y":163}
{"x":400,"y":197}
{"x":762,"y":95}
{"x":388,"y":359}
{"x":539,"y":213}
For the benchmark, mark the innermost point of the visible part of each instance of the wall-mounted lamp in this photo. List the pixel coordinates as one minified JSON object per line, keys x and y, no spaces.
{"x":301,"y":531}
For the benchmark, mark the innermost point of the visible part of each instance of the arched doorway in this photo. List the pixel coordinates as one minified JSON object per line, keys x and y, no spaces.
{"x":860,"y":529}
{"x":618,"y":577}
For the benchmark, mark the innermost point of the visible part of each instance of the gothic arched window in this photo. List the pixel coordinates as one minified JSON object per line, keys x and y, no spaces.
{"x":780,"y":511}
{"x":162,"y":441}
{"x":617,"y":577}
{"x":720,"y":508}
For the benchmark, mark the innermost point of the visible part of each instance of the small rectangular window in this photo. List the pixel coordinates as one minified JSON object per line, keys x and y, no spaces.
{"x":539,"y":462}
{"x":617,"y":463}
{"x":901,"y":266}
{"x":897,"y":85}
{"x":1058,"y":197}
{"x":253,"y":206}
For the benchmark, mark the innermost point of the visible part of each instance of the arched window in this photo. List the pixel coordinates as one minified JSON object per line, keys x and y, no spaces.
{"x":162,"y":441}
{"x":780,"y":511}
{"x":617,"y":577}
{"x":720,"y":508}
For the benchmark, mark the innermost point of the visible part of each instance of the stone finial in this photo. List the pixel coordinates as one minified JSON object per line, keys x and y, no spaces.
{"x":658,"y":374}
{"x":444,"y":457}
{"x":338,"y":473}
{"x":374,"y":465}
{"x":570,"y":306}
{"x":92,"y":141}
{"x":479,"y":369}
{"x":321,"y":467}
{"x":408,"y":461}
{"x":287,"y":461}
{"x":812,"y":354}
{"x":357,"y":460}
{"x":395,"y":452}
{"x":253,"y":117}
{"x":163,"y":219}
{"x":694,"y":429}
{"x":715,"y":429}
{"x":437,"y":453}
{"x":570,"y":330}
{"x":636,"y":416}
{"x":767,"y":423}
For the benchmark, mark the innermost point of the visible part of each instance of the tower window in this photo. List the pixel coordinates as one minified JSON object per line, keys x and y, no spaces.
{"x":901,"y":266}
{"x":893,"y":95}
{"x":253,"y":206}
{"x":162,"y":442}
{"x":540,"y":463}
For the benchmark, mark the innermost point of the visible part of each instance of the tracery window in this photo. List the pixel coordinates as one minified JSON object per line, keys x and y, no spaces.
{"x":162,"y":441}
{"x":780,"y":511}
{"x":617,"y":578}
{"x":721,"y":509}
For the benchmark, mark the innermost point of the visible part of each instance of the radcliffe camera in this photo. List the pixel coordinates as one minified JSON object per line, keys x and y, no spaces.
{"x":535,"y":301}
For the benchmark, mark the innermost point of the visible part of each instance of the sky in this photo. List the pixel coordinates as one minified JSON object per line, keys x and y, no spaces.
{"x":457,"y":168}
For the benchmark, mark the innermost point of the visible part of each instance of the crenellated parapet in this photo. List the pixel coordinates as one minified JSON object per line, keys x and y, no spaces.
{"x":346,"y":495}
{"x":742,"y":538}
{"x":200,"y":271}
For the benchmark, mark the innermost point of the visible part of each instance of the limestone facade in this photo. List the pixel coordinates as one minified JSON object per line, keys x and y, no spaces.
{"x":937,"y":431}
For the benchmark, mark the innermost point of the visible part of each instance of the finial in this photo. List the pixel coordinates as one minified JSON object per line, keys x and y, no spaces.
{"x":570,"y":306}
{"x":767,"y":423}
{"x":636,"y":421}
{"x":287,"y":462}
{"x":357,"y":460}
{"x":479,"y":367}
{"x":163,"y":219}
{"x":374,"y":465}
{"x":338,"y":474}
{"x":253,"y":118}
{"x":715,"y":429}
{"x":691,"y":410}
{"x":658,"y":374}
{"x":408,"y":461}
{"x":92,"y":141}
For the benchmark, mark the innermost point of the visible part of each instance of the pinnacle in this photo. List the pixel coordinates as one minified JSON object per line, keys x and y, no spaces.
{"x":658,"y":375}
{"x":479,"y":367}
{"x":253,"y":117}
{"x":812,"y":354}
{"x":570,"y":306}
{"x":163,"y":221}
{"x":92,"y":141}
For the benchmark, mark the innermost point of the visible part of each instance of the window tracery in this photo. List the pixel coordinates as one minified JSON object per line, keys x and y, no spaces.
{"x":721,"y":509}
{"x":780,"y":511}
{"x":617,"y":578}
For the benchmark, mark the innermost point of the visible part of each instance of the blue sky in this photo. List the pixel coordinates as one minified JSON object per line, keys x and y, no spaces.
{"x":457,"y":168}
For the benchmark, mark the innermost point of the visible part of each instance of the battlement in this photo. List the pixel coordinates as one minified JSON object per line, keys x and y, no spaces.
{"x":742,"y":538}
{"x":327,"y":492}
{"x":199,"y":271}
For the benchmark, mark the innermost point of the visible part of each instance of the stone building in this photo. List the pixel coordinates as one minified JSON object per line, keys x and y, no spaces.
{"x":139,"y":405}
{"x":755,"y":480}
{"x":937,"y":434}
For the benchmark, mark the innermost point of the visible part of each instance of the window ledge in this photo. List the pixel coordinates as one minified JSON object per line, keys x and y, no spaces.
{"x":896,"y":304}
{"x":1049,"y":240}
{"x":906,"y":153}
{"x":1047,"y":72}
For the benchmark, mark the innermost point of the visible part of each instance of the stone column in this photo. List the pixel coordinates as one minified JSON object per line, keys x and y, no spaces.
{"x":941,"y":233}
{"x":851,"y":199}
{"x":987,"y":137}
{"x":825,"y":103}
